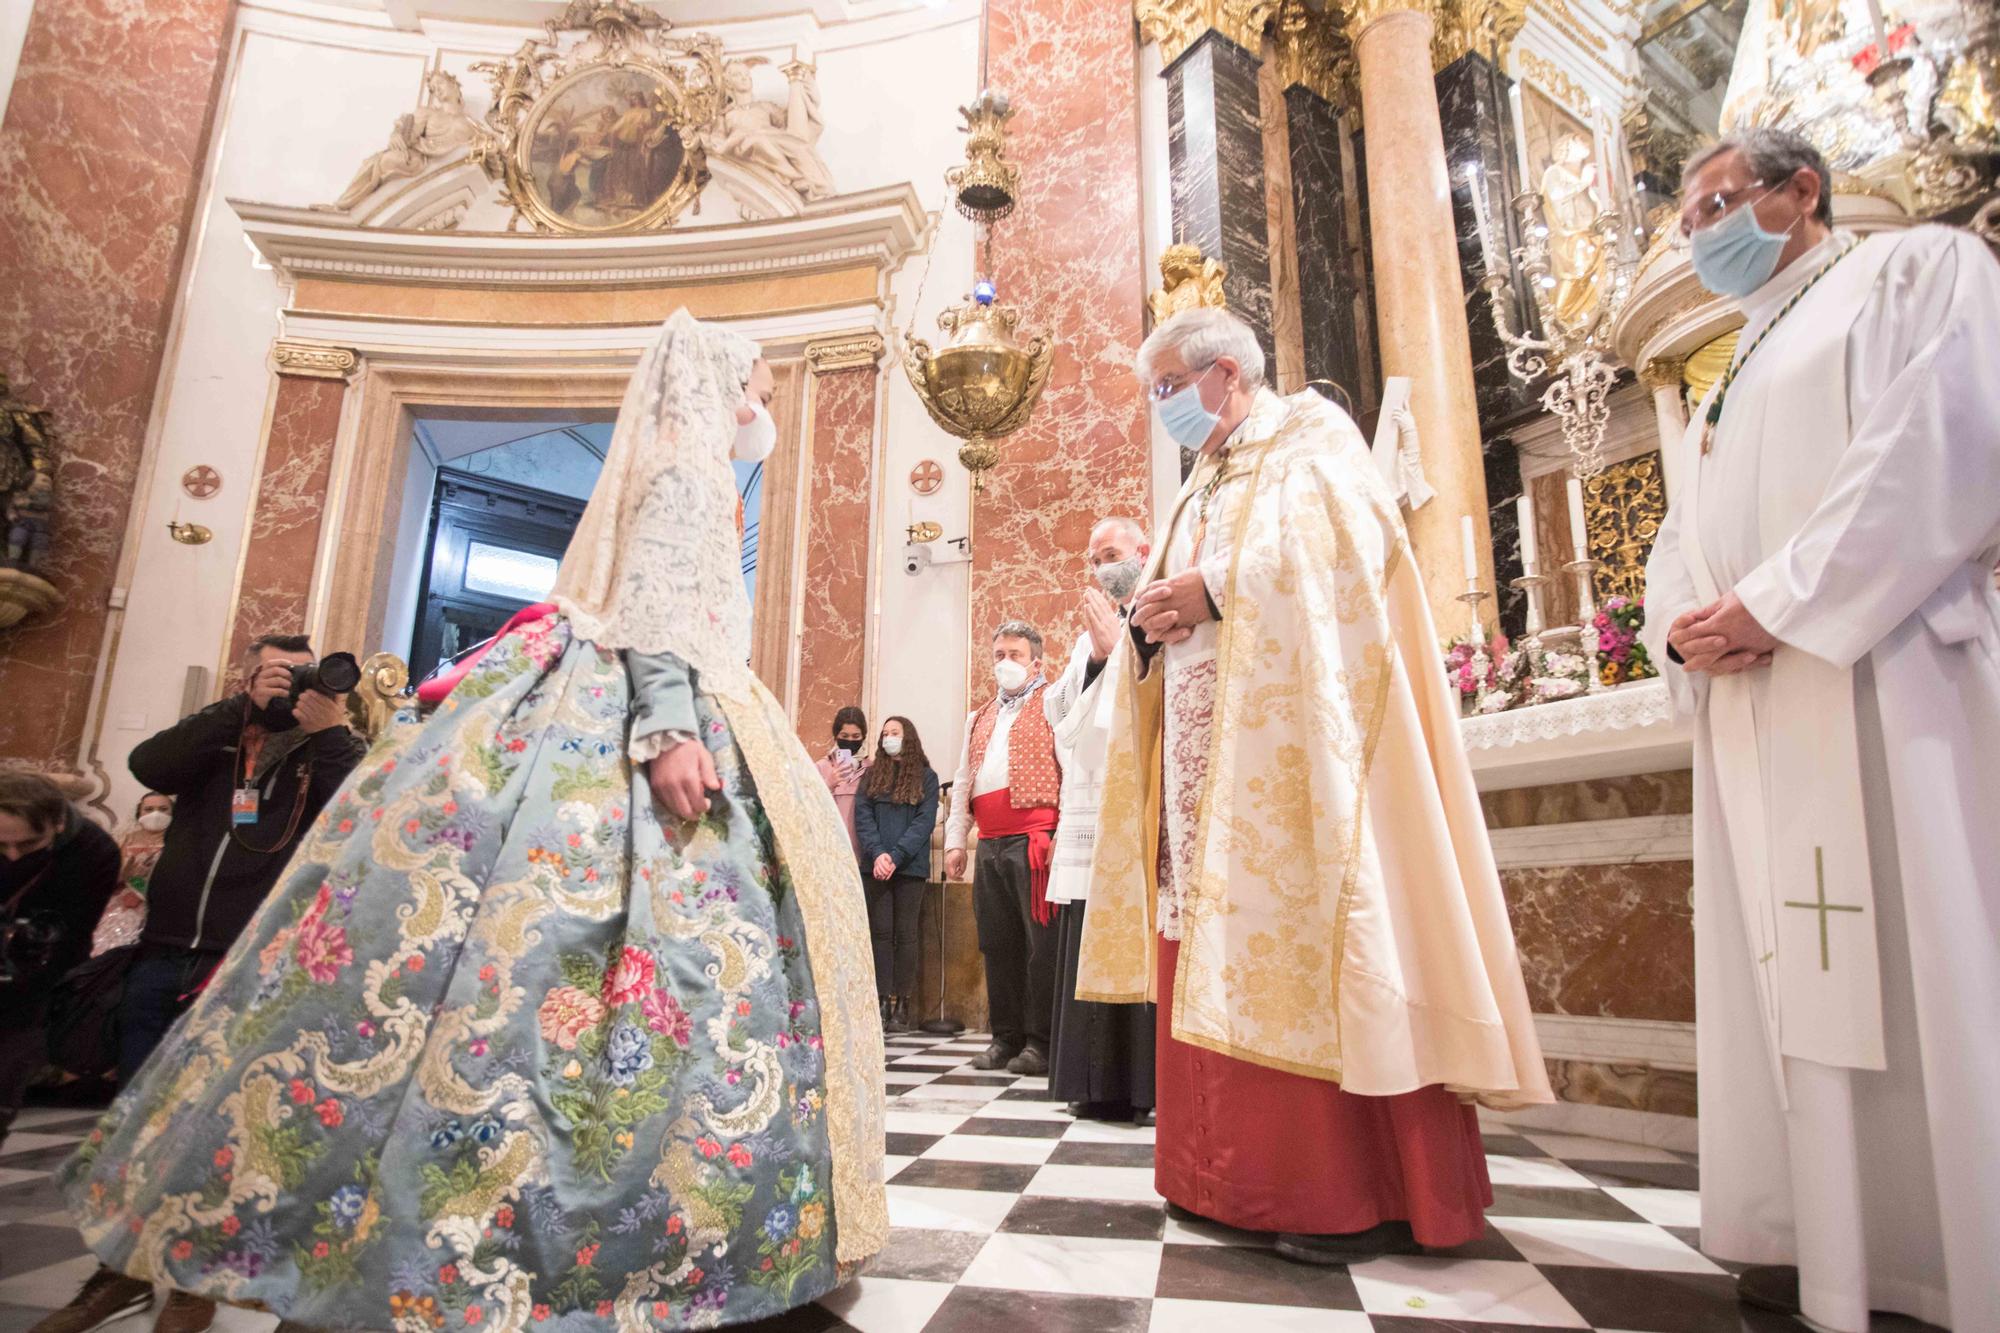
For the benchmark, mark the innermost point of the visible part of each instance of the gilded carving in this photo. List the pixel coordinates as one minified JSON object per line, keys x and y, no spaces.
{"x":1189,"y":280}
{"x":313,"y":360}
{"x":831,"y":354}
{"x":1555,"y":81}
{"x":1488,"y":27}
{"x":1624,"y":506}
{"x":1662,"y":372}
{"x":1178,"y":24}
{"x":1312,"y":51}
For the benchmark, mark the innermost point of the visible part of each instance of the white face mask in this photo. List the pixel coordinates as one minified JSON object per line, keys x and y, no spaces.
{"x":155,"y":821}
{"x":1010,"y":675}
{"x":757,"y":437}
{"x":892,"y":745}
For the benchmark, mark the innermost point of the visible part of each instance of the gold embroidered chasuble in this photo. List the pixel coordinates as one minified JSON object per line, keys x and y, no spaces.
{"x":1342,"y":916}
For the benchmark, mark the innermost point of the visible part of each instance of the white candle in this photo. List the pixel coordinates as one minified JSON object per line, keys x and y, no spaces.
{"x":1471,"y":546}
{"x":1881,"y":26}
{"x":1525,"y":508}
{"x":1579,"y":535}
{"x":1520,"y":135}
{"x":1477,"y":184}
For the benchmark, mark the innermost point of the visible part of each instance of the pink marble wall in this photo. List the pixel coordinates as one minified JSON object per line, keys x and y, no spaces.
{"x":1069,"y":257}
{"x":100,"y":155}
{"x":1613,"y":941}
{"x":285,"y":524}
{"x":835,"y":611}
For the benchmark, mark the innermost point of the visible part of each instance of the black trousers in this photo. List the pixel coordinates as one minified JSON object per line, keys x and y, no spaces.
{"x":893,"y":908}
{"x":154,"y":988}
{"x":1103,"y":1053}
{"x":1020,"y":955}
{"x":24,"y":1050}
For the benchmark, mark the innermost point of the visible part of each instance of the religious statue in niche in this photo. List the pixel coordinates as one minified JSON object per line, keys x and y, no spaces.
{"x":436,"y":129}
{"x":27,"y":508}
{"x":1572,"y":203}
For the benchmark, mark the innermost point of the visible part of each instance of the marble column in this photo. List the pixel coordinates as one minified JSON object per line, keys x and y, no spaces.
{"x":1070,"y":257}
{"x":1215,"y":141}
{"x":1419,"y":293}
{"x":833,"y":616}
{"x":281,"y":544}
{"x":1663,"y":375}
{"x":1319,"y":218}
{"x":106,"y":91}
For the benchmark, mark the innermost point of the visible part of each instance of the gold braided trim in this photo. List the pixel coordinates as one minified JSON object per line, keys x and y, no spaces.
{"x":815,"y":854}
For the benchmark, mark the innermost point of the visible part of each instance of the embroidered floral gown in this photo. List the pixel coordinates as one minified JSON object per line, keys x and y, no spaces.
{"x":508,"y":1047}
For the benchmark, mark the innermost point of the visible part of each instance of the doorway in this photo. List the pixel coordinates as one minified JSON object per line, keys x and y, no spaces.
{"x":497,"y":502}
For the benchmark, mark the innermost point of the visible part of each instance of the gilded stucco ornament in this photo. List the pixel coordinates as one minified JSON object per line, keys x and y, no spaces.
{"x":1178,"y":24}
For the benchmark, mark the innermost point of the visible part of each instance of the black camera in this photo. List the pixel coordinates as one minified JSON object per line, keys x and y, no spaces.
{"x":333,"y":675}
{"x":27,"y":943}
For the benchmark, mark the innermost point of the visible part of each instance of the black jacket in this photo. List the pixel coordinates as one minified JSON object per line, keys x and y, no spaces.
{"x":71,"y":883}
{"x":903,"y":831}
{"x":213,"y":874}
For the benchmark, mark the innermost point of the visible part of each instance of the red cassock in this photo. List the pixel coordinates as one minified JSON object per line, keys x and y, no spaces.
{"x":1265,"y":1150}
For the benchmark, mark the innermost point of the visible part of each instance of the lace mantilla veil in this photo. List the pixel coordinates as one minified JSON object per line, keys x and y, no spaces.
{"x":656,"y":565}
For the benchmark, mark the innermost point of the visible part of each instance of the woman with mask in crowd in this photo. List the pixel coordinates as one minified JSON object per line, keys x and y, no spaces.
{"x":560,"y":1015}
{"x":843,"y":768}
{"x":139,"y":852}
{"x":895,"y":815}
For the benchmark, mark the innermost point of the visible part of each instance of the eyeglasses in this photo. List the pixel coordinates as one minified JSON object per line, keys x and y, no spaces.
{"x":1168,"y":385}
{"x":1704,"y":211}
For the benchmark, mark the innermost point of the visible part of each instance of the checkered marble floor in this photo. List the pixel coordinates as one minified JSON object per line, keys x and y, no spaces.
{"x":1010,"y":1215}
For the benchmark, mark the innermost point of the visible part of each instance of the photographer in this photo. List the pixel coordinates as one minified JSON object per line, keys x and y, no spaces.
{"x":57,"y":871}
{"x":250,"y":774}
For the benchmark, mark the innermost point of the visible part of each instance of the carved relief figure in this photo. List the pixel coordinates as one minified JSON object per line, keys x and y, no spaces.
{"x":1572,"y":204}
{"x":437,"y":127}
{"x":780,"y":139}
{"x":1188,"y":279}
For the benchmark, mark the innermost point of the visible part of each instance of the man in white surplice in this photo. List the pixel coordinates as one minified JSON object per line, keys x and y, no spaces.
{"x":1822,"y":589}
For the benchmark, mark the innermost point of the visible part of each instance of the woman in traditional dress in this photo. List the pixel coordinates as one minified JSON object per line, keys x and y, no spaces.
{"x":562,"y":1015}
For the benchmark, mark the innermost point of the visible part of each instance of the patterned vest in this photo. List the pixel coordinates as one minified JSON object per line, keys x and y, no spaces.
{"x":1034,"y":778}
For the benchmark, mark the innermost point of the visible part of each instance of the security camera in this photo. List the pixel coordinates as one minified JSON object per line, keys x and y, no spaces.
{"x":916,"y":557}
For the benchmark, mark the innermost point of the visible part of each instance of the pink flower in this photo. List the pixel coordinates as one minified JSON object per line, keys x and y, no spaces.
{"x":586,"y":1256}
{"x":540,"y":1314}
{"x":231,"y":1225}
{"x":330,"y":1113}
{"x":567,"y":1014}
{"x":365,"y":1028}
{"x":478,"y":1046}
{"x":664,"y":1015}
{"x":320,"y":949}
{"x":630,"y":978}
{"x":301,"y":1091}
{"x":473,"y":1314}
{"x":739,"y":1156}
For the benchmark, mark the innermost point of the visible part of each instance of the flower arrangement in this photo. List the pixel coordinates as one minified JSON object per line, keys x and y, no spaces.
{"x":1620,"y":655}
{"x":1461,"y":658}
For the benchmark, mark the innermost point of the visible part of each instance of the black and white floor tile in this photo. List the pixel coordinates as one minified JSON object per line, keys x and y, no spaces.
{"x":1010,"y":1215}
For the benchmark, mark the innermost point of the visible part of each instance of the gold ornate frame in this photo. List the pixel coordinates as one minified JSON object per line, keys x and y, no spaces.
{"x":524,"y":192}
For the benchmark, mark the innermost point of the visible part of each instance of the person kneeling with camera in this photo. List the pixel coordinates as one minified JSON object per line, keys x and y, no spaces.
{"x":249,"y":776}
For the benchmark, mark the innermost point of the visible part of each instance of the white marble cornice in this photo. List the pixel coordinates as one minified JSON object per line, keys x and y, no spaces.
{"x":876,"y":227}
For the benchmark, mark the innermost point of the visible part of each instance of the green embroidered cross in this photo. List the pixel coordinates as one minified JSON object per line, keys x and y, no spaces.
{"x":1823,"y":907}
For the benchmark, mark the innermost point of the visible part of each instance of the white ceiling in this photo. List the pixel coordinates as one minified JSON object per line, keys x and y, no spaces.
{"x":409,"y":14}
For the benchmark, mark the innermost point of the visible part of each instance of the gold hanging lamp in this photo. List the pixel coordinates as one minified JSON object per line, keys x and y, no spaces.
{"x":983,"y":382}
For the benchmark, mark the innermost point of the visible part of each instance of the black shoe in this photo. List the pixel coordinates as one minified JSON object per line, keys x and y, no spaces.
{"x":1030,"y":1063}
{"x":1180,"y":1214}
{"x":1109,"y":1112}
{"x":995,"y":1056}
{"x":1354,"y":1247}
{"x":896,"y":1016}
{"x":1142,"y":1116}
{"x":1773,"y":1287}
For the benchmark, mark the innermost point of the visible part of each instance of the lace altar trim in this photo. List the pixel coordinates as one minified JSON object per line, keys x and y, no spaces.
{"x":1641,"y":704}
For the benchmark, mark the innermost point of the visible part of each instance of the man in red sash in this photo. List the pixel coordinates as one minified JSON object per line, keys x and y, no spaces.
{"x":1010,"y":784}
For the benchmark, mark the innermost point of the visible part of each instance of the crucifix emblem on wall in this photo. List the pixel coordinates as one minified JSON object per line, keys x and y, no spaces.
{"x":926,"y":477}
{"x":201,"y":482}
{"x":1822,"y":906}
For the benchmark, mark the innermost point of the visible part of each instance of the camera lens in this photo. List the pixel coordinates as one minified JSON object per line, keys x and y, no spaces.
{"x":336,"y":673}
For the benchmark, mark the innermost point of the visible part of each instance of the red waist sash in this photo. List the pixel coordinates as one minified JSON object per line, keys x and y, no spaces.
{"x":997,"y":818}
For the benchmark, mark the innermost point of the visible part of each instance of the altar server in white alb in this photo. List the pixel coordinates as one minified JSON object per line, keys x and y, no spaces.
{"x":1823,"y":589}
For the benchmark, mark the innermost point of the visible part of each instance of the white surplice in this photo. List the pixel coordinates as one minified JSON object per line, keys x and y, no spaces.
{"x":1077,"y":705}
{"x":1877,"y":1171}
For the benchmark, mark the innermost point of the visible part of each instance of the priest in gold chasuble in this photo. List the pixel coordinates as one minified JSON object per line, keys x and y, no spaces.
{"x":1291,"y":857}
